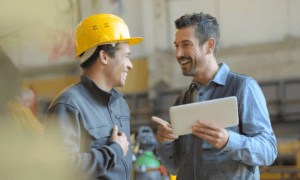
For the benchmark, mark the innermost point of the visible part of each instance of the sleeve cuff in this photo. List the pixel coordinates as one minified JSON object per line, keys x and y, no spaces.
{"x":118,"y":150}
{"x":233,"y":144}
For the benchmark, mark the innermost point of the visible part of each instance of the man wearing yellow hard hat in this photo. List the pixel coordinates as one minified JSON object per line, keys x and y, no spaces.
{"x":90,"y":119}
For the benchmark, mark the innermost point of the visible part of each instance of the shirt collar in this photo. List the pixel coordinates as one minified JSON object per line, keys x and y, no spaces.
{"x":194,"y":85}
{"x":220,"y":77}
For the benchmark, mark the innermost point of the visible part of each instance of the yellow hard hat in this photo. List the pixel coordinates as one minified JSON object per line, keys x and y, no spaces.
{"x":101,"y":29}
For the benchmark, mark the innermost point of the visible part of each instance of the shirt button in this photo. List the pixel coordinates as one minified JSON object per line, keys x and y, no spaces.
{"x":200,"y":94}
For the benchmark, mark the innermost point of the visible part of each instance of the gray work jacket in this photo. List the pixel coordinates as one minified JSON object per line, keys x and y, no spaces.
{"x":81,"y":120}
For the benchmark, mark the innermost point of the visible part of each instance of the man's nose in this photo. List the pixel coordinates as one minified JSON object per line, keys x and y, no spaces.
{"x":130,"y":65}
{"x":179,"y":52}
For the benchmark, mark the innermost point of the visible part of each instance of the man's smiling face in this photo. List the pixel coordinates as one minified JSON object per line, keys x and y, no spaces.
{"x":120,"y":65}
{"x":188,"y":52}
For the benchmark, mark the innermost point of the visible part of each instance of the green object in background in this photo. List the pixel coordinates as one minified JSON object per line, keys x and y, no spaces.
{"x":147,"y":159}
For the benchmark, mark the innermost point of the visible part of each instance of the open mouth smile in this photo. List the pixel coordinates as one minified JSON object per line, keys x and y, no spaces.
{"x":184,"y":62}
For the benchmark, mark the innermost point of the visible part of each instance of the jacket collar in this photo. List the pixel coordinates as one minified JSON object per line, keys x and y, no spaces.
{"x":97,"y":92}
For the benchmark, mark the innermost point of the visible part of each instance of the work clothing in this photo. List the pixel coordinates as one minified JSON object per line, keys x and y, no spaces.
{"x":81,"y":119}
{"x":252,"y":143}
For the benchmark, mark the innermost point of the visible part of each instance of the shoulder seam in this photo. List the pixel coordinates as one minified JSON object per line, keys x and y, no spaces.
{"x":58,"y":103}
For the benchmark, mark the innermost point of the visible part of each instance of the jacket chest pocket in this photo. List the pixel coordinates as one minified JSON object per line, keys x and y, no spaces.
{"x":123,"y":120}
{"x":100,"y":136}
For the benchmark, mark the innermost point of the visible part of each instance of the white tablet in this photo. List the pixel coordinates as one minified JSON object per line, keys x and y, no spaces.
{"x":223,"y":111}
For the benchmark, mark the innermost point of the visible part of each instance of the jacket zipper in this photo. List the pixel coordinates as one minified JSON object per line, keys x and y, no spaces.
{"x":121,"y":118}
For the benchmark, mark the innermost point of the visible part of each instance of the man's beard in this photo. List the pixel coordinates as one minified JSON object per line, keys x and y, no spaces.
{"x":191,"y":71}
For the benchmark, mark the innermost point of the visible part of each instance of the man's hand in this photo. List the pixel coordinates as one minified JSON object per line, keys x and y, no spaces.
{"x":212,"y":132}
{"x":120,"y":138}
{"x":164,"y":133}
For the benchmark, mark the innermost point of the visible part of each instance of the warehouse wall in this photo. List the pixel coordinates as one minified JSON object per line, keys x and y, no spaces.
{"x":266,"y":61}
{"x":258,"y":38}
{"x":39,"y":33}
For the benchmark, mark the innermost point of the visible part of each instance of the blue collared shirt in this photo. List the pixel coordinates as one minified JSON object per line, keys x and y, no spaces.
{"x":203,"y":93}
{"x":251,"y":144}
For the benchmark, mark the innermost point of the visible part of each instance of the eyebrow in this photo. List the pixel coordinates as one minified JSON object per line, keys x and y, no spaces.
{"x":184,"y":41}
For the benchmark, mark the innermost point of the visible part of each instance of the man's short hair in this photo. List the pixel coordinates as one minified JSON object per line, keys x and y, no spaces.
{"x":108,"y":48}
{"x":206,"y":27}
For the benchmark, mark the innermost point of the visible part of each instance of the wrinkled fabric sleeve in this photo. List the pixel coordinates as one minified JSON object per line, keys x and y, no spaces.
{"x":256,"y":145}
{"x":62,"y":126}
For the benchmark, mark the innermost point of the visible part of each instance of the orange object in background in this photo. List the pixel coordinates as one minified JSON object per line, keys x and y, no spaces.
{"x":163,"y":170}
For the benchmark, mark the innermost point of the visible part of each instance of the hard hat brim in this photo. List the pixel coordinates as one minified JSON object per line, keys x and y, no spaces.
{"x":131,"y":41}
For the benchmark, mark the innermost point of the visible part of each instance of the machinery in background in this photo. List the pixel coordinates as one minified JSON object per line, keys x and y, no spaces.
{"x":147,"y":166}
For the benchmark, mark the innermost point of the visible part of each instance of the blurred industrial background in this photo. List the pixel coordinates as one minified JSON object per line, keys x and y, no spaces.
{"x":258,"y":38}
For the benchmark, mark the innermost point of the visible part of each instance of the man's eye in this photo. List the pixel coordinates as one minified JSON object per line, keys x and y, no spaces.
{"x":185,"y":45}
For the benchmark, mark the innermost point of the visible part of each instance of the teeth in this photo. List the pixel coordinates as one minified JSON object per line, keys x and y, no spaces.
{"x":184,"y":62}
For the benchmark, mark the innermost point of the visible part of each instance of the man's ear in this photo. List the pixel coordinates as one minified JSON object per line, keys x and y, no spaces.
{"x":211,"y":43}
{"x":103,"y":57}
